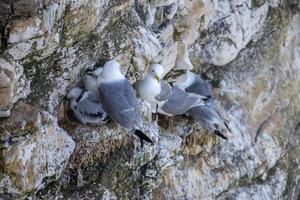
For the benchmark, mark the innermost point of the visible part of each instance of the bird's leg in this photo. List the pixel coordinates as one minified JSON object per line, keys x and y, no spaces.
{"x":155,"y":115}
{"x":142,"y":143}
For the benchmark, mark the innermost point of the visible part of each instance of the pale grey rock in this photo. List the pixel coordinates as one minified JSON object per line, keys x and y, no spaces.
{"x":272,"y":189}
{"x":13,"y":85}
{"x":56,"y":41}
{"x":228,"y":31}
{"x":253,"y":91}
{"x":30,"y":162}
{"x":168,"y":151}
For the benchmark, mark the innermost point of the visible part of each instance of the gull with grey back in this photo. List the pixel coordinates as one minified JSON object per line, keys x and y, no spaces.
{"x":207,"y":114}
{"x":119,"y":101}
{"x":170,"y":101}
{"x":193,"y":83}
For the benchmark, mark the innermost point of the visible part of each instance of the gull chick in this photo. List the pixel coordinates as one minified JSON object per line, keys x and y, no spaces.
{"x":119,"y":101}
{"x":90,"y":80}
{"x":86,"y":107}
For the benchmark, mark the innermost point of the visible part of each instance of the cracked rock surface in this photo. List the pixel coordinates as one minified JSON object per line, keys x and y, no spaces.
{"x":248,"y":49}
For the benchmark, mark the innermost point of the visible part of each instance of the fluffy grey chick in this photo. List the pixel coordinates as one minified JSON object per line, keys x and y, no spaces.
{"x":86,"y":107}
{"x":90,"y":80}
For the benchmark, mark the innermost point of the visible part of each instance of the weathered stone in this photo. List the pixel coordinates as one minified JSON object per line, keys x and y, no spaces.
{"x":29,"y":163}
{"x":25,"y":8}
{"x":6,"y":90}
{"x":12,"y":85}
{"x":23,"y":122}
{"x":256,"y":93}
{"x":257,"y":42}
{"x":228,"y":31}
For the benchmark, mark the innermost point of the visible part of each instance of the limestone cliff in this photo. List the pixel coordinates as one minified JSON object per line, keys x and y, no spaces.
{"x":249,"y":49}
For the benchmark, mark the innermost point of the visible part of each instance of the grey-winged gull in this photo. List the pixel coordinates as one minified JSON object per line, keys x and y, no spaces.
{"x":170,"y":101}
{"x":179,"y":102}
{"x":86,"y":107}
{"x":152,"y":88}
{"x":209,"y":119}
{"x":119,"y":101}
{"x":206,"y":114}
{"x":193,"y":83}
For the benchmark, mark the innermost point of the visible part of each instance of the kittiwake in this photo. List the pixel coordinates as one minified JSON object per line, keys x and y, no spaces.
{"x":169,"y":101}
{"x":152,"y":88}
{"x":179,"y":102}
{"x":193,"y":83}
{"x":209,"y":119}
{"x":86,"y":107}
{"x":207,"y":114}
{"x":119,"y":101}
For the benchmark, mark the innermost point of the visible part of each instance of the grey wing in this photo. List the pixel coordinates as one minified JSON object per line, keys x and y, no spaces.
{"x":209,"y":119}
{"x":207,"y":116}
{"x":180,"y":102}
{"x":129,"y":94}
{"x":200,"y":86}
{"x":90,"y":106}
{"x":131,"y":98}
{"x":119,"y":104}
{"x":166,"y":91}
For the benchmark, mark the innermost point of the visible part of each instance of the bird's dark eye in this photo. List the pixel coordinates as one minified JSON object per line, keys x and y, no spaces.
{"x":152,"y":70}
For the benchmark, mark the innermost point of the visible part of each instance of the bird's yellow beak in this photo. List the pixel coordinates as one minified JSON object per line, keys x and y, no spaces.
{"x":157,"y":78}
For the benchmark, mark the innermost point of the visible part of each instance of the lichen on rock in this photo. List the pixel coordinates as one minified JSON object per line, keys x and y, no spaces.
{"x":248,"y":49}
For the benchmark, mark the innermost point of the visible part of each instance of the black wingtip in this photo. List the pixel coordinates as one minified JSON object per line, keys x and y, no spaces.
{"x":227,"y":127}
{"x":143,"y":137}
{"x":218,"y":133}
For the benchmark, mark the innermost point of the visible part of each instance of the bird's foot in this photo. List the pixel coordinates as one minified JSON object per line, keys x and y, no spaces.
{"x":154,"y":117}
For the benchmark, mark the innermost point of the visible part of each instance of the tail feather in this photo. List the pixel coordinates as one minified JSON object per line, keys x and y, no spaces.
{"x":227,"y":127}
{"x":218,"y":133}
{"x":143,"y":137}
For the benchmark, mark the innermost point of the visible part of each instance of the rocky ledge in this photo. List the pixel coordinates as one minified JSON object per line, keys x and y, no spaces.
{"x":249,"y":49}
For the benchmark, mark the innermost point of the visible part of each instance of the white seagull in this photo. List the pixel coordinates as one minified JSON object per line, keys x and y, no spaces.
{"x":152,"y":88}
{"x":86,"y":107}
{"x":119,"y":101}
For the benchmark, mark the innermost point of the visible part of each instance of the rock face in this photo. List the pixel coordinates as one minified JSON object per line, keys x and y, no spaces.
{"x":249,"y":49}
{"x":36,"y":154}
{"x":13,"y":85}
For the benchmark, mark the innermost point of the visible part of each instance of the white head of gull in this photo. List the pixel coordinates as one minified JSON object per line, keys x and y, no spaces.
{"x":111,"y":72}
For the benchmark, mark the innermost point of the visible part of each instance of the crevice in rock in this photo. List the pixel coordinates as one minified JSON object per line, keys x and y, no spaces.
{"x":261,"y":127}
{"x":3,"y":43}
{"x":246,"y":181}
